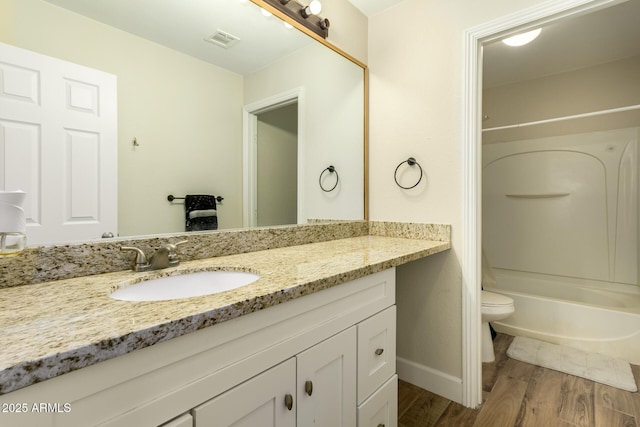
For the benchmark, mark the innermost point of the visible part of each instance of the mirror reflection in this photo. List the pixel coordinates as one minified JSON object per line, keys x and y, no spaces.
{"x":199,"y":98}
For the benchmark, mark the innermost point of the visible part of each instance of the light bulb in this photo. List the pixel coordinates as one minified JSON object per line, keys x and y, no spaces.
{"x":315,"y":7}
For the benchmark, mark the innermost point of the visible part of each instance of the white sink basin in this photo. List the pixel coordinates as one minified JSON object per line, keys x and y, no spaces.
{"x":185,"y":286}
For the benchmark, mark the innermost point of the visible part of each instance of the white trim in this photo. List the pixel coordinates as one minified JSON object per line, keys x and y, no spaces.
{"x":249,"y":156}
{"x":541,"y":14}
{"x":249,"y":126}
{"x":437,"y":382}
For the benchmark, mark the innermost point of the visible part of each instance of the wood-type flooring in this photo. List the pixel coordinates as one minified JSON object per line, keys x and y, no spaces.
{"x":517,"y":394}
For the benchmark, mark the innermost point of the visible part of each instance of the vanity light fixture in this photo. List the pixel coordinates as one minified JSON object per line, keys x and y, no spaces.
{"x":304,"y":15}
{"x":522,"y":39}
{"x":314,"y":8}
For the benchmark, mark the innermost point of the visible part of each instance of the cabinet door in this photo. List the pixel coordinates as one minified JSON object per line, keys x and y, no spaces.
{"x":376,"y":351}
{"x":260,"y":401}
{"x":327,"y":382}
{"x":184,"y":420}
{"x":381,"y":408}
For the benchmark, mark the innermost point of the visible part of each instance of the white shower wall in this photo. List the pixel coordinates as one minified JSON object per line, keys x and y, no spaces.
{"x":564,"y":206}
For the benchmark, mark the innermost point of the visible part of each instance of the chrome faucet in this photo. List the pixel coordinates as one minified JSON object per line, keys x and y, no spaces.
{"x":164,"y":257}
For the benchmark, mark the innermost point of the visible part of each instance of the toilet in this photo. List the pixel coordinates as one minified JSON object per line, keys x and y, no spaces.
{"x":494,"y":307}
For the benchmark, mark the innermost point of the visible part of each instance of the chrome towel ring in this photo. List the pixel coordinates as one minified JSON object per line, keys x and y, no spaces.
{"x":411,"y":161}
{"x":331,"y":169}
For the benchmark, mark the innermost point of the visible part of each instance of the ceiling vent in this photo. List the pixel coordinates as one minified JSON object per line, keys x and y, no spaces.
{"x":222,"y":39}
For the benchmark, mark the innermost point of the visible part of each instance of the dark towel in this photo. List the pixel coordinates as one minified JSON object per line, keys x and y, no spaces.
{"x":194,"y":204}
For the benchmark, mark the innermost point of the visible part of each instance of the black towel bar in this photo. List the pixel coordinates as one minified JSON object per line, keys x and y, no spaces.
{"x":171,"y":198}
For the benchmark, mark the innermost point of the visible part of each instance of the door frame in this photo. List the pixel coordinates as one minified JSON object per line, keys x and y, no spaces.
{"x":533,"y":17}
{"x":249,"y":152}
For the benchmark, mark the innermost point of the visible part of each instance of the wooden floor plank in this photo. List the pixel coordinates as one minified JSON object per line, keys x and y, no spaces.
{"x":608,"y":417}
{"x":425,"y":411}
{"x":636,"y":396}
{"x":540,"y":403}
{"x":518,"y":394}
{"x":503,"y":405}
{"x":518,"y":370}
{"x":577,"y":401}
{"x":490,"y":370}
{"x":614,"y":399}
{"x":407,"y":395}
{"x":457,"y":415}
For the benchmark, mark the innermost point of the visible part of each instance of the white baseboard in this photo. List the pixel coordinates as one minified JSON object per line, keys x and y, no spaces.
{"x":437,"y":382}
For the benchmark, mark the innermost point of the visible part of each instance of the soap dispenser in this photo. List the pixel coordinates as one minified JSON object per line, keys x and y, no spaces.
{"x":13,"y":224}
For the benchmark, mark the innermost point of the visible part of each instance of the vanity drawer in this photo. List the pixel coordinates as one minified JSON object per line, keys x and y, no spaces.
{"x":381,"y":409}
{"x":376,"y":351}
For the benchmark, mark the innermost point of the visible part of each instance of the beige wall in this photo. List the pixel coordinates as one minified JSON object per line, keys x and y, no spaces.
{"x":185,"y":126}
{"x":606,"y":86}
{"x":333,"y":134}
{"x":348,"y":28}
{"x":416,"y":105}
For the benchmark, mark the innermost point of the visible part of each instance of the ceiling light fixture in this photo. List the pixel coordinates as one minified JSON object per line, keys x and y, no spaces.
{"x":522,"y":39}
{"x":304,"y":15}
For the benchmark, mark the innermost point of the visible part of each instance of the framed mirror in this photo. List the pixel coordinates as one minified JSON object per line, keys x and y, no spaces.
{"x":210,"y":97}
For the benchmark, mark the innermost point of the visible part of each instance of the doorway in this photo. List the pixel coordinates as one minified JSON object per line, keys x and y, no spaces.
{"x":474,"y":39}
{"x":276,"y":166}
{"x":281,"y":121}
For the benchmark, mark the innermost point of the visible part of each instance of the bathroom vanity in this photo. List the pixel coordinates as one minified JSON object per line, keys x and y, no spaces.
{"x":312,"y":342}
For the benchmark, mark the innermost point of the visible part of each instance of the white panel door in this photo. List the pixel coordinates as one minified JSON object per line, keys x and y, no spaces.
{"x":58,"y":142}
{"x":327,"y":382}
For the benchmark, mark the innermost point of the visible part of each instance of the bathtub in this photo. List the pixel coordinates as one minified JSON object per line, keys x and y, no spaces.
{"x":572,"y":312}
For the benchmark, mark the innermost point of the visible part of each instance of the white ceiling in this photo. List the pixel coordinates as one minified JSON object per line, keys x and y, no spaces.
{"x":184,"y":24}
{"x":573,"y":43}
{"x":371,"y":7}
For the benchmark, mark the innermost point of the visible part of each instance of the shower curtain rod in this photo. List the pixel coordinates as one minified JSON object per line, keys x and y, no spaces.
{"x":560,"y":119}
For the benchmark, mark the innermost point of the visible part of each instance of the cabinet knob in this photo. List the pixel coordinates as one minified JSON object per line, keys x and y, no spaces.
{"x":379,"y":351}
{"x":308,"y":387}
{"x":288,"y":401}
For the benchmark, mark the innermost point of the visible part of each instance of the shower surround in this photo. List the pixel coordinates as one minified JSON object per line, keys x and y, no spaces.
{"x":560,"y":231}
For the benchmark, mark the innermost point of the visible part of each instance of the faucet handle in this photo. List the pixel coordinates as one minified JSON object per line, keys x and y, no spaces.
{"x":173,"y":255}
{"x":140,"y":263}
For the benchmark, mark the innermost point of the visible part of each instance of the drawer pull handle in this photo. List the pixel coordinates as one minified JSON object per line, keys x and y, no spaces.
{"x":288,"y":401}
{"x":379,"y":351}
{"x":381,"y":425}
{"x":308,"y":387}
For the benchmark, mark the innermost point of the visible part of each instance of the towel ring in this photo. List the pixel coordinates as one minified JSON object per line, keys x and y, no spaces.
{"x":331,"y":169}
{"x":411,"y":161}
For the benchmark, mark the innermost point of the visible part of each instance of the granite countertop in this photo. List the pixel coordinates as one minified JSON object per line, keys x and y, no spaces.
{"x":51,"y":328}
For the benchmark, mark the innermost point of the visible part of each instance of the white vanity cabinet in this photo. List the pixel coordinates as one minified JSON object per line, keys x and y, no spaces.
{"x":333,"y":351}
{"x":315,"y":388}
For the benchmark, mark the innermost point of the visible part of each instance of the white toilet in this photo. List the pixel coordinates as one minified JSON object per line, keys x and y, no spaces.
{"x":494,"y":307}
